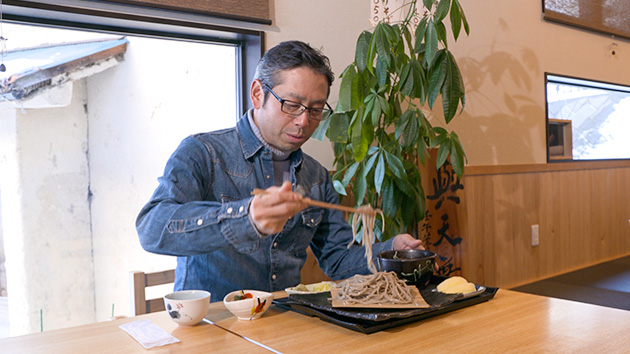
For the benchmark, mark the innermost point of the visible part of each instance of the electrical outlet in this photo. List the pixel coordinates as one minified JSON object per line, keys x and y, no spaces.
{"x":535,"y":235}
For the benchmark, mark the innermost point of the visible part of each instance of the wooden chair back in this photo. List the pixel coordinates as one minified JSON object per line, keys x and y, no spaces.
{"x":138,"y":282}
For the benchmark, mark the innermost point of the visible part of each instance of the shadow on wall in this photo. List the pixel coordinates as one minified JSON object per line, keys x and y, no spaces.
{"x":510,"y":116}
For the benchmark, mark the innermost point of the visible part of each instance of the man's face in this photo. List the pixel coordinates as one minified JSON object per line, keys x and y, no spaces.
{"x":283,"y":131}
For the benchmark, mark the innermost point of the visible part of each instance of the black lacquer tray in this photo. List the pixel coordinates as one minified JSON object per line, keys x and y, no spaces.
{"x":373,"y":320}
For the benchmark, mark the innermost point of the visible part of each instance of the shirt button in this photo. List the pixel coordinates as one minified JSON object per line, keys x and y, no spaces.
{"x":229,"y":210}
{"x":200,"y":222}
{"x":273,"y":277}
{"x":240,"y":210}
{"x":275,"y":244}
{"x":268,"y":177}
{"x":312,"y":221}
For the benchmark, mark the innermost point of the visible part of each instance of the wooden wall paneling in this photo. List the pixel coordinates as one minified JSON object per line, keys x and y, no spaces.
{"x":582,"y":214}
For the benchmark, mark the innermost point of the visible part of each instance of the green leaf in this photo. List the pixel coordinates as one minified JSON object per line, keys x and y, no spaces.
{"x":437,"y":76}
{"x":442,"y":10}
{"x":419,"y":80}
{"x":411,"y":131}
{"x":359,"y":187}
{"x":420,"y":32}
{"x":352,"y":170}
{"x":403,"y":122}
{"x":457,"y":160}
{"x":441,"y":33}
{"x":428,"y":4}
{"x":385,"y":107}
{"x":457,"y":19}
{"x":458,"y":156}
{"x":379,"y":173}
{"x":349,"y":93}
{"x":370,"y":163}
{"x":404,"y":186}
{"x":407,"y":35}
{"x":382,"y":73}
{"x":339,"y":188}
{"x":408,"y":213}
{"x":382,"y":45}
{"x":338,"y":127}
{"x":395,"y":165}
{"x":422,"y":152}
{"x":453,"y":89}
{"x":391,"y":32}
{"x":363,"y":46}
{"x":431,"y":41}
{"x":320,"y":132}
{"x":406,"y":80}
{"x":439,"y":140}
{"x":390,"y":202}
{"x":359,"y":141}
{"x":442,"y":153}
{"x":372,"y":106}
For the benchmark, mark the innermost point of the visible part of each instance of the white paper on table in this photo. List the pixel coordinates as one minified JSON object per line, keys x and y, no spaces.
{"x":148,"y":333}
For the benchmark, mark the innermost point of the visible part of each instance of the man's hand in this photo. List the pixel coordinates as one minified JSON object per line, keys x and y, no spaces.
{"x":407,"y":242}
{"x":270,"y":211}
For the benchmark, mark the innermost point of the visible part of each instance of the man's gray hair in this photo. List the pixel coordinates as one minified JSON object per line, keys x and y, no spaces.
{"x":291,"y":55}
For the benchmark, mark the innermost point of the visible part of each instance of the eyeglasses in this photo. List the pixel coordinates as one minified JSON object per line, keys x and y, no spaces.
{"x":296,"y":108}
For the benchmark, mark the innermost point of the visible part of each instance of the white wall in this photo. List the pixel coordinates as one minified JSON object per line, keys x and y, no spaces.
{"x":46,"y":216}
{"x":332,"y":26}
{"x":503,"y":62}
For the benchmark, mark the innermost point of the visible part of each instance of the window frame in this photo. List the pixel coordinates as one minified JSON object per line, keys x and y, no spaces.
{"x":135,"y":20}
{"x":576,"y":81}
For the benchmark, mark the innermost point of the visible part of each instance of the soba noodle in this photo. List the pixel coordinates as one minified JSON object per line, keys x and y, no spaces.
{"x":367,"y":220}
{"x":381,"y":287}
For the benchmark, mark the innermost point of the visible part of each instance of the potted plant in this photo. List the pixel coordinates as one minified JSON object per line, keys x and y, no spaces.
{"x":380,"y":128}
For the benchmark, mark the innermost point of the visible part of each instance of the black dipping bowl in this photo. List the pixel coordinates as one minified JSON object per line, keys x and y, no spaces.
{"x":414,"y":266}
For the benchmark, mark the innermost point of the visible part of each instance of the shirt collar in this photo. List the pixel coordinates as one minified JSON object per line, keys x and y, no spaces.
{"x":252,"y":144}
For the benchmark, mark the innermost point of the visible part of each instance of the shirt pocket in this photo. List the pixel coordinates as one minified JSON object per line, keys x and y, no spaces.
{"x":306,"y":227}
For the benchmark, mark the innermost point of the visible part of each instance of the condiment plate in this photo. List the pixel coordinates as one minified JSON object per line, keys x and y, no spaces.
{"x":480,"y":290}
{"x":311,"y":288}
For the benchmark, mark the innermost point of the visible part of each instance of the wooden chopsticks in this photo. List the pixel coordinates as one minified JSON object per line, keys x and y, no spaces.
{"x":309,"y":201}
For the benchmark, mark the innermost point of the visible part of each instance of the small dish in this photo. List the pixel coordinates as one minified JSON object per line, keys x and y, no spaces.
{"x":315,"y":288}
{"x":480,"y":289}
{"x":250,"y":308}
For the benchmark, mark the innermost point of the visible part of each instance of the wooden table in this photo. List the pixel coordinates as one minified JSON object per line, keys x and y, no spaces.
{"x":511,"y":322}
{"x":107,"y":337}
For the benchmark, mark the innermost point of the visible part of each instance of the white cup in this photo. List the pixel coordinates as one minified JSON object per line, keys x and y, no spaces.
{"x":187,"y":307}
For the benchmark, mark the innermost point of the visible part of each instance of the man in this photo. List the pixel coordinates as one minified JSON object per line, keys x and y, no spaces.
{"x":225,"y":238}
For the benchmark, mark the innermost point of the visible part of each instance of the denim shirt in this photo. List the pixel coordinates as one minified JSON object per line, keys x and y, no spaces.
{"x":199,"y":213}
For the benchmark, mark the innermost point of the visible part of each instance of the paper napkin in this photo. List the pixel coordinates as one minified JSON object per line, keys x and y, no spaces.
{"x":148,"y":333}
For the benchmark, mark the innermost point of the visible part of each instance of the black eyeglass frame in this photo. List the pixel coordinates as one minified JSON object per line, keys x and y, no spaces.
{"x":304,"y":108}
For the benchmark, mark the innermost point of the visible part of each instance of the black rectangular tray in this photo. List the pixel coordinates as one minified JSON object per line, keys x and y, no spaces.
{"x":374,"y":320}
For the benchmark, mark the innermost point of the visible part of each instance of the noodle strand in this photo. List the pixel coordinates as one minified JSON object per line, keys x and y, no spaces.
{"x":368,"y":220}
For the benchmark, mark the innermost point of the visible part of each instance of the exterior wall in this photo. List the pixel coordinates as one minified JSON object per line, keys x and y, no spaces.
{"x":46,"y":217}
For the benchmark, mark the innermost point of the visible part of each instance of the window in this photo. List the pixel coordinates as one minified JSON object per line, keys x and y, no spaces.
{"x":85,"y":167}
{"x":586,"y":119}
